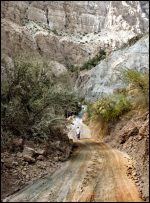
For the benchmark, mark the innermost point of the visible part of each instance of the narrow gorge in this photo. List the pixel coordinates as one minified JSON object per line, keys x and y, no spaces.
{"x":68,"y":65}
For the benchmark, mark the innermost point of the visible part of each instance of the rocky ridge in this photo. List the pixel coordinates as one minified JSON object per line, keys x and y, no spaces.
{"x":70,"y":32}
{"x":105,"y":78}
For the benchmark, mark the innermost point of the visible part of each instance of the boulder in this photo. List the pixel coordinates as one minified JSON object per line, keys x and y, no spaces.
{"x":57,"y":68}
{"x":17,"y":144}
{"x":19,"y":154}
{"x":41,"y":152}
{"x":2,"y":161}
{"x":15,"y":163}
{"x":29,"y":154}
{"x":40,"y":157}
{"x":57,"y":144}
{"x":29,"y":151}
{"x":29,"y":159}
{"x":8,"y":163}
{"x":56,"y":158}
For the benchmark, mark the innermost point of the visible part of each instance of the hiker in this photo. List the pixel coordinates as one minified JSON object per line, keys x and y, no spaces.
{"x":78,"y":132}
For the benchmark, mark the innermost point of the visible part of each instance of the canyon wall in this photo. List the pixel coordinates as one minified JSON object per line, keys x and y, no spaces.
{"x":70,"y":32}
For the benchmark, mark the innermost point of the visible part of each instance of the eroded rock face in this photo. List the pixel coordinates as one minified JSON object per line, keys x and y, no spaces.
{"x":105,"y":78}
{"x":57,"y":29}
{"x":80,"y":16}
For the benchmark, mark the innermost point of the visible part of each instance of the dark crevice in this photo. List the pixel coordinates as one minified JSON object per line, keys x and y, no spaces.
{"x":39,"y":49}
{"x":47,"y":16}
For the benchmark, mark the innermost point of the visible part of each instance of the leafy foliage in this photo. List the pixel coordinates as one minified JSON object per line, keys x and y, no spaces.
{"x":93,"y":61}
{"x":88,"y":64}
{"x":112,"y":107}
{"x":140,"y":81}
{"x":109,"y":108}
{"x":73,"y":68}
{"x":55,"y":32}
{"x":33,"y":102}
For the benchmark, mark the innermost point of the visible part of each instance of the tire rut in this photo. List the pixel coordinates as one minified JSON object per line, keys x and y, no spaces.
{"x":95,"y":173}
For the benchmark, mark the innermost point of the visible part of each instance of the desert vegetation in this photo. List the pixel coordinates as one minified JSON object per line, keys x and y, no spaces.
{"x":34,"y":103}
{"x":139,"y":83}
{"x":109,"y":108}
{"x":89,"y":64}
{"x":134,"y":97}
{"x":93,"y":61}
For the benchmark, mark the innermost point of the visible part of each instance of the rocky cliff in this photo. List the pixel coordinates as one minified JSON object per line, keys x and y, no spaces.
{"x":106,"y":77}
{"x":70,"y":32}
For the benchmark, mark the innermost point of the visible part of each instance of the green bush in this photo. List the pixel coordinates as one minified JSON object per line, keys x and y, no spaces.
{"x":73,"y":68}
{"x":109,"y":108}
{"x":34,"y":102}
{"x":138,"y":80}
{"x":94,"y":61}
{"x":55,"y":32}
{"x":112,"y":107}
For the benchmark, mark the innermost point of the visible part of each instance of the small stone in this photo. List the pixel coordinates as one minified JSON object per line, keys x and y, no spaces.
{"x":40,"y":157}
{"x":56,"y":159}
{"x":29,"y":159}
{"x":15,"y":163}
{"x":19,"y":154}
{"x":23,"y":173}
{"x":27,"y":176}
{"x":29,"y":152}
{"x":8,"y":163}
{"x":40,"y":166}
{"x":41,"y":152}
{"x":135,"y":178}
{"x":18,"y":142}
{"x":134,"y":173}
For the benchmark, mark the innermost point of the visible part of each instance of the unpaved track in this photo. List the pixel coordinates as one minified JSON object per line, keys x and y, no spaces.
{"x":95,"y":173}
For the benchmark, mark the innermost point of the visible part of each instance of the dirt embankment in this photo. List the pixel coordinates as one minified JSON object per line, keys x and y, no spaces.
{"x":132,"y":136}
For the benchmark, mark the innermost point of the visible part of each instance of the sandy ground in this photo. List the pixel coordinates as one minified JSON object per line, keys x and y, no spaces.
{"x":94,"y":173}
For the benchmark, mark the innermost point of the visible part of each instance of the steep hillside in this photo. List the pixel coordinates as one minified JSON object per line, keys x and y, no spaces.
{"x":132,"y":136}
{"x":105,"y":78}
{"x":70,"y":32}
{"x":56,"y":55}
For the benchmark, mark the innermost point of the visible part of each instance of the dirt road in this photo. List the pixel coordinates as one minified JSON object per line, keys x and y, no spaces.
{"x":95,"y":173}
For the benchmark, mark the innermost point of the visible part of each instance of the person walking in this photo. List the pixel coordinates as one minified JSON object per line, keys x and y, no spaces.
{"x":78,"y":133}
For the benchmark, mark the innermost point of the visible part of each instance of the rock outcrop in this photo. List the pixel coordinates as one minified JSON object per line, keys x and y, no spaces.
{"x":79,"y":16}
{"x":105,"y":78}
{"x":67,"y":33}
{"x":70,"y":32}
